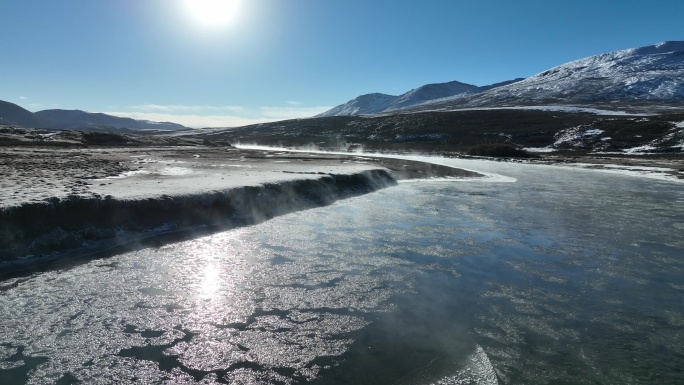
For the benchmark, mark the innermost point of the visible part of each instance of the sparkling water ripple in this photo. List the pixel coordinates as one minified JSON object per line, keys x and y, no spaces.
{"x":563,"y":276}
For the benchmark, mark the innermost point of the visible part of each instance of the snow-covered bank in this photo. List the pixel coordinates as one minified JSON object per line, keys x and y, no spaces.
{"x":658,"y":169}
{"x":58,"y":202}
{"x":44,"y":229}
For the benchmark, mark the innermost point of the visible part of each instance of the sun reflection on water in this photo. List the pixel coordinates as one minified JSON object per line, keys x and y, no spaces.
{"x":210,"y":282}
{"x":217,"y":264}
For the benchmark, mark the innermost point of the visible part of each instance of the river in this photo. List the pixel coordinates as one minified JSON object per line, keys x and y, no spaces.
{"x":536,"y":275}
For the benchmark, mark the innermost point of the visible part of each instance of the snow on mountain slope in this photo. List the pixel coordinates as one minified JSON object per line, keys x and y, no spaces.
{"x":364,"y":104}
{"x":431,"y":92}
{"x":647,"y":74}
{"x":381,"y":103}
{"x":643,"y":77}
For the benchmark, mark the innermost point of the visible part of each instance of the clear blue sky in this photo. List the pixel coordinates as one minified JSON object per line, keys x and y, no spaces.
{"x":277,"y":59}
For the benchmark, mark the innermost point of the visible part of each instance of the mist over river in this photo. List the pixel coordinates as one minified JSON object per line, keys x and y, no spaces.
{"x":538,"y":275}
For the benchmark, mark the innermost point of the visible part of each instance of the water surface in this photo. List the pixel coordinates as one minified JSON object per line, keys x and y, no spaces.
{"x":546,"y":276}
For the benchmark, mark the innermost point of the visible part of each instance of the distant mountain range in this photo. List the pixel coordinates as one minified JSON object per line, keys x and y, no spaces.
{"x":381,"y":103}
{"x":70,"y":119}
{"x":77,"y":120}
{"x":638,"y":77}
{"x":633,"y":80}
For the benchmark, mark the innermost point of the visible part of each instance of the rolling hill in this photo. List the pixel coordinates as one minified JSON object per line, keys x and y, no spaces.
{"x":81,"y":120}
{"x":12,"y":114}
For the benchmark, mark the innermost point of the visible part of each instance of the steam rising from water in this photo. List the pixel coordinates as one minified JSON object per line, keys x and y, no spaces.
{"x":468,"y":165}
{"x":560,"y":277}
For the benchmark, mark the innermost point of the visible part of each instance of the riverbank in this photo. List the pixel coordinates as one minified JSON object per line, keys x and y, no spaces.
{"x":57,"y":201}
{"x":664,"y":167}
{"x":556,"y":256}
{"x":655,"y":166}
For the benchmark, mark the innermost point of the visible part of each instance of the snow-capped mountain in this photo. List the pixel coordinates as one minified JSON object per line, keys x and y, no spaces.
{"x":364,"y":104}
{"x":377,"y":103}
{"x":646,"y":76}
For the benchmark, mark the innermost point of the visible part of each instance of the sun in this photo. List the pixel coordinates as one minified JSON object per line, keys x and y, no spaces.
{"x":212,"y":12}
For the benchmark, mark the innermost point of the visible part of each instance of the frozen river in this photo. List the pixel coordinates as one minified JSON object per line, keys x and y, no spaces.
{"x":537,"y":275}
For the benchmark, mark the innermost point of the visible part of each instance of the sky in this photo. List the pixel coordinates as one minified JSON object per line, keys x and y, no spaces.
{"x":251,"y":61}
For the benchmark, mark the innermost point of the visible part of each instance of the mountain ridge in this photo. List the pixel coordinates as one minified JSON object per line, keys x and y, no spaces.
{"x":636,"y":76}
{"x":77,"y":119}
{"x":11,"y":113}
{"x":57,"y":119}
{"x":376,"y":103}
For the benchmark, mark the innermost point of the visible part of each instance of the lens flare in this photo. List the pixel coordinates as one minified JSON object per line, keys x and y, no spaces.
{"x":212,"y":12}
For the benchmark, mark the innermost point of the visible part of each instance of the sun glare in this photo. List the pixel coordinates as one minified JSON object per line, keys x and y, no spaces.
{"x":212,"y":12}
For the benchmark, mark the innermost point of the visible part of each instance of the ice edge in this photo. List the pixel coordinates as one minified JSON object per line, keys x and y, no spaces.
{"x":45,"y":231}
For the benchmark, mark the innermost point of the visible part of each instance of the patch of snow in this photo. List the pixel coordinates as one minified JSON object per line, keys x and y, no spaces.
{"x":584,"y":137}
{"x":126,"y":175}
{"x":573,"y":109}
{"x":676,"y":133}
{"x":50,"y":135}
{"x":539,"y":149}
{"x":645,"y":149}
{"x":551,"y":108}
{"x":592,"y":132}
{"x":177,"y":171}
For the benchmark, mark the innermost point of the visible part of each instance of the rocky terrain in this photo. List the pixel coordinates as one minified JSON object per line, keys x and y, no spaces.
{"x":574,"y":133}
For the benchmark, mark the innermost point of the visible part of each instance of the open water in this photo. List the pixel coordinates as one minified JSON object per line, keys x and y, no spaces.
{"x":540,"y":276}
